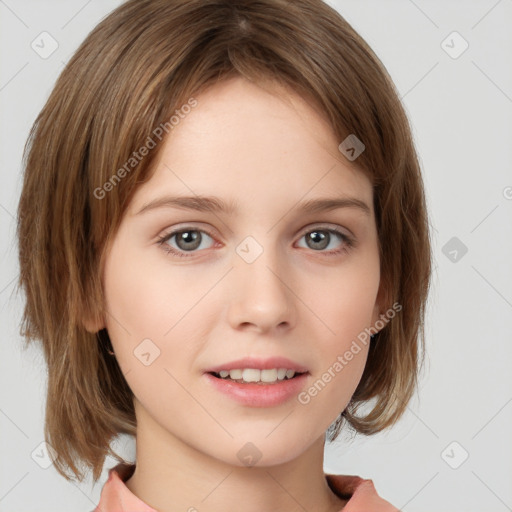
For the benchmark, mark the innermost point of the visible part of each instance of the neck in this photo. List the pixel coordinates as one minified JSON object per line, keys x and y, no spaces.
{"x":171,"y":476}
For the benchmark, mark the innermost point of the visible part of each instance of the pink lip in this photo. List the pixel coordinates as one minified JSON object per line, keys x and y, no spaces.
{"x":259,"y":364}
{"x":259,"y":395}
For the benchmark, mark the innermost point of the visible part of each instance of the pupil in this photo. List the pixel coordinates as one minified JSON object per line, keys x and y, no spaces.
{"x":319,"y":237}
{"x":191,"y":239}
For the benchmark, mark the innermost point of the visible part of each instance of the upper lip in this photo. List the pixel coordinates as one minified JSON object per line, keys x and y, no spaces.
{"x":259,"y":363}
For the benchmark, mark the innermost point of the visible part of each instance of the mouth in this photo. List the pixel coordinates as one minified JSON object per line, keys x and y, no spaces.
{"x":257,"y":376}
{"x":252,"y":387}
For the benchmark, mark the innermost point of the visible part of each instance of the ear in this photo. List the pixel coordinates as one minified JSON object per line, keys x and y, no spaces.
{"x":380,"y":302}
{"x":93,"y":321}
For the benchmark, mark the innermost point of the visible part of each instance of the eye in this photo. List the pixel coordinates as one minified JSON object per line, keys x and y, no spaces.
{"x":190,"y":240}
{"x":320,"y":238}
{"x":186,"y":240}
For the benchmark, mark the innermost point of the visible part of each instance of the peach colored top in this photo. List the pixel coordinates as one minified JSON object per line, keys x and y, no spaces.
{"x":361,"y":493}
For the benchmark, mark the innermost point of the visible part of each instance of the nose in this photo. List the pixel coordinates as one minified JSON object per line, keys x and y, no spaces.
{"x":261,"y":294}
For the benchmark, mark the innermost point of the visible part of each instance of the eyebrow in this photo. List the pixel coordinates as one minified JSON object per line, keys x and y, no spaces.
{"x":217,"y":205}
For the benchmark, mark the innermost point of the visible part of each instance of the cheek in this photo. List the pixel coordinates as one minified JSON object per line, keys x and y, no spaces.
{"x":144,"y":295}
{"x":343,"y":308}
{"x":329,"y":392}
{"x":154,"y":309}
{"x":150,"y":321}
{"x":344,"y":303}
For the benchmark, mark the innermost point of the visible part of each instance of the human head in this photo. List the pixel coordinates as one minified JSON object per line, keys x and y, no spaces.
{"x":159,"y":55}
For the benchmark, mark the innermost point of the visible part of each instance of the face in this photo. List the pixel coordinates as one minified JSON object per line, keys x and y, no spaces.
{"x":191,"y":289}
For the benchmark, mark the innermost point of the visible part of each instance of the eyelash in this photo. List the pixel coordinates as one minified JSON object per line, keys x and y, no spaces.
{"x":348,"y":242}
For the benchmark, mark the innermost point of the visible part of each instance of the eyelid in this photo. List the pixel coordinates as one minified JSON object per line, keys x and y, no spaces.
{"x":326,"y":226}
{"x":311,"y":227}
{"x":188,"y":226}
{"x":348,"y":240}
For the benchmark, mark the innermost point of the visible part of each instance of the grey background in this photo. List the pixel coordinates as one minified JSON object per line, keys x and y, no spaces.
{"x":461,"y":113}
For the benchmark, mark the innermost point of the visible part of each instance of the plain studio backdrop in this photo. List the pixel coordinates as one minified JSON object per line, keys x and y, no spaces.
{"x":452,"y":64}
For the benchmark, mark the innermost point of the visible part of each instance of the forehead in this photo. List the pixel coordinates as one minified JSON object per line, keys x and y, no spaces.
{"x":245,"y":142}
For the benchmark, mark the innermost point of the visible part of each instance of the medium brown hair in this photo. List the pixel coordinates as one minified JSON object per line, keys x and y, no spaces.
{"x":133,"y":71}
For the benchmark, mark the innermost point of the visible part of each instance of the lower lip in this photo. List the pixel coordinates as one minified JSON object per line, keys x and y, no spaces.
{"x":259,"y":395}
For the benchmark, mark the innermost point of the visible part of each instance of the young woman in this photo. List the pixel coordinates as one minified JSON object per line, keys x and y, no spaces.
{"x":224,"y":248}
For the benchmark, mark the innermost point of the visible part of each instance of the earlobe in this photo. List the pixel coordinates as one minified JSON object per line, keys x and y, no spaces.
{"x":376,"y":314}
{"x":93,"y":323}
{"x":379,"y":308}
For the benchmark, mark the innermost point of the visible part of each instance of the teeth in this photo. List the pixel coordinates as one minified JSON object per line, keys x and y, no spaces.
{"x":268,"y":375}
{"x":290,"y":374}
{"x":254,"y":375}
{"x":251,"y":375}
{"x":235,"y":374}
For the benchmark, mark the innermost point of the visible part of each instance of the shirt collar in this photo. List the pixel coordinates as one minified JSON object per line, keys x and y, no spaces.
{"x":361,"y":493}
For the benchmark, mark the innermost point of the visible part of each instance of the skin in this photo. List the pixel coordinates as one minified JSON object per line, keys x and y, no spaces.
{"x":268,"y":152}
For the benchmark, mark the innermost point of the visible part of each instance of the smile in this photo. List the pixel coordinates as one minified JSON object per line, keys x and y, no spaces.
{"x":247,"y":375}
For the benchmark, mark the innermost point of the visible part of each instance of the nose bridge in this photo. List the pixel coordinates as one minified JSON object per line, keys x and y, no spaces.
{"x":261,"y":296}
